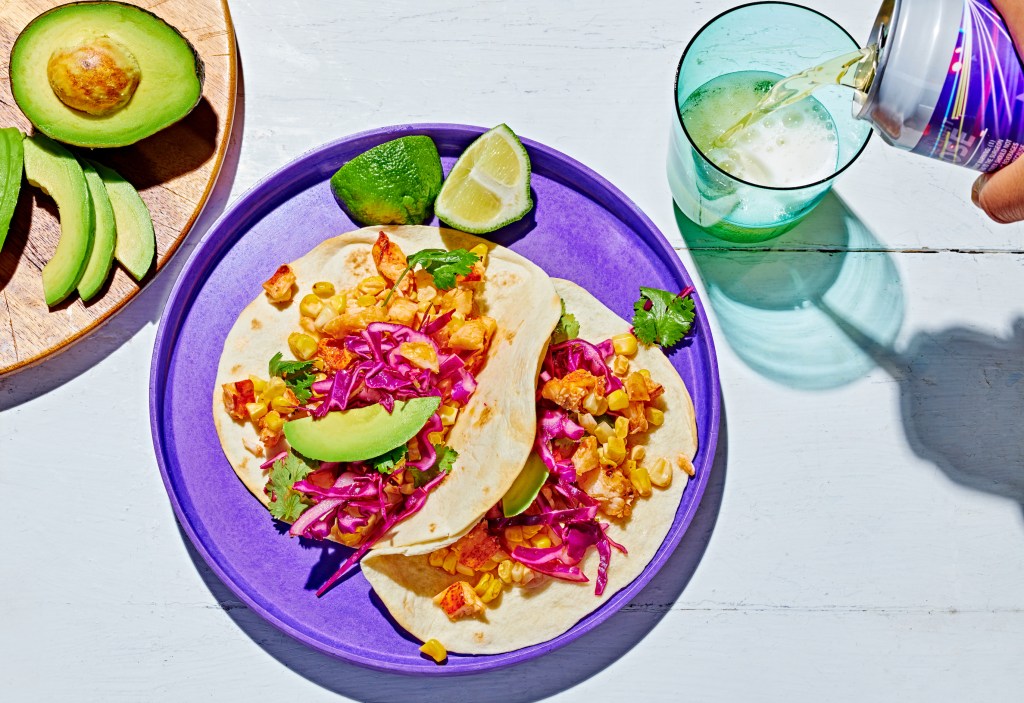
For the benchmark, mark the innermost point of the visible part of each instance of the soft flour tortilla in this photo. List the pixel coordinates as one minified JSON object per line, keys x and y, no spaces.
{"x":493,"y":433}
{"x":525,"y":616}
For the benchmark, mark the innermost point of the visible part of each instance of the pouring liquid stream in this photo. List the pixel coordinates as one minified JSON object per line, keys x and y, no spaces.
{"x":855,"y":70}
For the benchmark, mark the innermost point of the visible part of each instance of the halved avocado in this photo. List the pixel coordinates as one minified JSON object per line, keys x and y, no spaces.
{"x":525,"y":488}
{"x":136,"y":241}
{"x":360,"y":433}
{"x":11,"y":166}
{"x":52,"y":168}
{"x":103,"y":74}
{"x":97,"y":269}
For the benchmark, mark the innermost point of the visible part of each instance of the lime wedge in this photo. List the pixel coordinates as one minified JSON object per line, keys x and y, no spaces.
{"x":489,"y":186}
{"x":393,"y":183}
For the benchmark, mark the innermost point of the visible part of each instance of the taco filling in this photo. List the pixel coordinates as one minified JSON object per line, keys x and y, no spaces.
{"x":596,"y":407}
{"x":410,"y":339}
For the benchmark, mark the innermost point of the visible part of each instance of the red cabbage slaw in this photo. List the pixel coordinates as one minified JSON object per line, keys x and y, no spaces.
{"x":347,"y":496}
{"x":569,"y":513}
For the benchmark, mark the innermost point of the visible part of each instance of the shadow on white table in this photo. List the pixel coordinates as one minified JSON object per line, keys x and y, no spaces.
{"x":530,"y":681}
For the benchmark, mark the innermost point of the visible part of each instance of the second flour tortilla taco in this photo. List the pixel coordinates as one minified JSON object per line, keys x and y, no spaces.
{"x":615,"y":441}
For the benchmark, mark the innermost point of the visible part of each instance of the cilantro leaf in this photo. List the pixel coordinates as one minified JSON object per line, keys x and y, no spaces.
{"x":388,"y":461}
{"x":661,"y":317}
{"x":286,"y":504}
{"x":446,"y":457}
{"x":297,"y":375}
{"x":568,"y":327}
{"x":444,"y":265}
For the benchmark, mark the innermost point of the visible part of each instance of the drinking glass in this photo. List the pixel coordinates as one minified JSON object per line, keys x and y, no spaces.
{"x":766,"y":36}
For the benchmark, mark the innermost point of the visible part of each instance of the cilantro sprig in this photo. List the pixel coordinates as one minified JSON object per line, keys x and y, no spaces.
{"x":387,"y":462}
{"x":661,"y":317}
{"x":446,"y":457}
{"x":442,"y":264}
{"x":297,"y":375}
{"x":285,"y":503}
{"x":568,"y":327}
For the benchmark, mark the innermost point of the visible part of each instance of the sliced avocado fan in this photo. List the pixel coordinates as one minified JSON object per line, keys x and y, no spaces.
{"x":136,"y":241}
{"x":55,"y":171}
{"x":11,"y":160}
{"x":97,"y":269}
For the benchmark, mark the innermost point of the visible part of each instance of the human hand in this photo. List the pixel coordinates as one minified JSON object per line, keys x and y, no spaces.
{"x":1001,"y":193}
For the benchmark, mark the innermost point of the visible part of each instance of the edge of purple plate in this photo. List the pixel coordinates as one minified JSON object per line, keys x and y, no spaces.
{"x":213,"y":244}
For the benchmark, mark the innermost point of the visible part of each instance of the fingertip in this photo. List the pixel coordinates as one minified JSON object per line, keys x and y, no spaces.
{"x":979,"y":185}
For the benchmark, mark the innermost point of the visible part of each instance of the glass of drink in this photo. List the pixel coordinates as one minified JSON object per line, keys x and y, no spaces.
{"x":765,"y":178}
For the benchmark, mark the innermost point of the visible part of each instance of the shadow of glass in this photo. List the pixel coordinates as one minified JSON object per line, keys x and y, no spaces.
{"x":961,"y":400}
{"x":763,"y":295}
{"x":146,"y":307}
{"x":534,"y":680}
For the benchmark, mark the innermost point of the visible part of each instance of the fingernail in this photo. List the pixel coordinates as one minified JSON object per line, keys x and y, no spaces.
{"x":977,"y":187}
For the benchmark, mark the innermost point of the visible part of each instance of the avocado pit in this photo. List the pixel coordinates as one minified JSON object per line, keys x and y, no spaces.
{"x":97,"y":76}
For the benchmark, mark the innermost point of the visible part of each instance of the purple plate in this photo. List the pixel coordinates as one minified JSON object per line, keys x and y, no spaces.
{"x":581,"y":228}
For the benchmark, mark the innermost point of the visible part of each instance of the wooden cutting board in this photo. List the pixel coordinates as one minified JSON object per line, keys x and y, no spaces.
{"x":174,"y":170}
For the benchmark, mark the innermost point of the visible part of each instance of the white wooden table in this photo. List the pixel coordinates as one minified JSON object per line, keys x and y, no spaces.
{"x":862,"y":538}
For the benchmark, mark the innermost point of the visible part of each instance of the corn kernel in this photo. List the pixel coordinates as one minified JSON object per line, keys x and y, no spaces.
{"x":628,"y":467}
{"x":620,"y":365}
{"x":310,"y":305}
{"x":256,"y":410}
{"x":324,"y":289}
{"x":686,"y":465}
{"x":494,"y":589}
{"x":645,"y":373}
{"x":595,"y":405}
{"x":327,"y":314}
{"x":435,"y":437}
{"x":450,"y":562}
{"x":618,"y":400}
{"x":514,"y":533}
{"x":258,"y":384}
{"x":481,"y":251}
{"x":661,"y":473}
{"x":284,"y":404}
{"x":518,"y":571}
{"x":482,"y":584}
{"x":616,"y":449}
{"x":602,"y":456}
{"x":435,"y":650}
{"x":505,"y":571}
{"x":275,"y":387}
{"x":272,"y":421}
{"x":302,"y":345}
{"x":338,"y":302}
{"x":436,"y":557}
{"x":464,"y":570}
{"x":541,"y":541}
{"x":637,"y":453}
{"x":621,"y":427}
{"x":365,"y":301}
{"x":448,"y":413}
{"x":372,"y":285}
{"x":309,"y":325}
{"x":530,"y":531}
{"x":654,"y":416}
{"x":624,"y":344}
{"x":603,"y":431}
{"x":588,"y":422}
{"x":641,"y":481}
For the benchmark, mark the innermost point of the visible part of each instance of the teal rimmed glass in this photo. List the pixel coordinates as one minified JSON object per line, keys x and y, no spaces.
{"x":784,"y":39}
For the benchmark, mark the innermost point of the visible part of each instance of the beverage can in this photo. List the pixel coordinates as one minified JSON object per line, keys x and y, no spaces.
{"x":948,"y":83}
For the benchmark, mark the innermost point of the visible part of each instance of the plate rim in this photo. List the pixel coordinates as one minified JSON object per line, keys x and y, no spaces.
{"x":191,"y":278}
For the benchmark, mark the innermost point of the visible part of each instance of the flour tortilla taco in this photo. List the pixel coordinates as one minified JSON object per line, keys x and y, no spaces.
{"x":615,"y":441}
{"x":379,"y":392}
